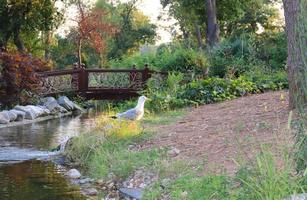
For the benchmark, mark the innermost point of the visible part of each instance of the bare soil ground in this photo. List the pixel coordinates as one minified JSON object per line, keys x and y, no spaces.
{"x":222,"y":134}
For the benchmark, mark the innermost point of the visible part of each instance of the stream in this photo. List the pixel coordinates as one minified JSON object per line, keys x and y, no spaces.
{"x":25,"y":173}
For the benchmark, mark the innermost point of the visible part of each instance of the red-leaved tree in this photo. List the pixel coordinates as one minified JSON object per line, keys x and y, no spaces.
{"x":19,"y":78}
{"x":92,"y":28}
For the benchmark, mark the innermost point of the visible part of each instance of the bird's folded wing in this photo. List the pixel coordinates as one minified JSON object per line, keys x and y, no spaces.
{"x":129,"y":114}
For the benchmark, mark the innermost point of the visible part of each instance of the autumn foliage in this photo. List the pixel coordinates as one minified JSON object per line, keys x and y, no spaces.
{"x":20,"y":82}
{"x":92,"y":28}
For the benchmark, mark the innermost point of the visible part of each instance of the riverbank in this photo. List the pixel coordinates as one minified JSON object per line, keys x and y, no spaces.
{"x":49,"y":108}
{"x":40,"y":119}
{"x":163,"y":158}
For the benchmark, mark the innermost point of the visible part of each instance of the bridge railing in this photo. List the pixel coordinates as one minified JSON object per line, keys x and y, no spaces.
{"x":96,"y":83}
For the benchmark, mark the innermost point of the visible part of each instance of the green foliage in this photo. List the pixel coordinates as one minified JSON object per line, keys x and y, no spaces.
{"x":95,"y":153}
{"x":137,"y":59}
{"x":174,"y":92}
{"x":102,"y":163}
{"x":191,"y":187}
{"x":261,"y":179}
{"x":234,"y":16}
{"x":25,"y":16}
{"x":266,"y":80}
{"x":164,"y":93}
{"x":168,"y":58}
{"x":265,"y":180}
{"x":247,"y":52}
{"x":216,"y":89}
{"x":272,"y":49}
{"x":135,"y":29}
{"x":63,"y":53}
{"x":183,"y":60}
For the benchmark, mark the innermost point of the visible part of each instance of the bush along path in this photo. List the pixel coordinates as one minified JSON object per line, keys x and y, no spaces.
{"x":237,"y":149}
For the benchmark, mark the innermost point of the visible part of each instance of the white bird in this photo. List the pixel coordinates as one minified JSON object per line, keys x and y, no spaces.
{"x":134,"y":113}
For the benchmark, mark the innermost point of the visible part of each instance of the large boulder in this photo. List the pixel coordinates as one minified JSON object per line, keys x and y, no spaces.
{"x":52,"y":105}
{"x":20,"y":114}
{"x":31,"y":113}
{"x":66,"y":103}
{"x":11,"y":115}
{"x":45,"y":110}
{"x":4,"y":118}
{"x":38,"y":110}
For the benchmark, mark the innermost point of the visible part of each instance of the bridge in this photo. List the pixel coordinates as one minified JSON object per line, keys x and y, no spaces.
{"x":97,"y":84}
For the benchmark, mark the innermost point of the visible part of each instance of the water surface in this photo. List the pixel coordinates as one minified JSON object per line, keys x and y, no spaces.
{"x":25,"y":173}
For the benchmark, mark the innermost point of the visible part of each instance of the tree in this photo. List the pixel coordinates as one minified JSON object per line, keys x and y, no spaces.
{"x":296,"y":29}
{"x":25,"y":16}
{"x":212,"y":35}
{"x":135,"y":29}
{"x":19,"y":74}
{"x":231,"y":17}
{"x":92,"y":28}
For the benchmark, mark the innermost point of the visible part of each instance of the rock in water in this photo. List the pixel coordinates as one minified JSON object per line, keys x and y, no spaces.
{"x":73,"y":174}
{"x":12,"y":116}
{"x":52,"y":105}
{"x":135,"y":193}
{"x":30,"y":113}
{"x":20,"y":114}
{"x":4,"y":118}
{"x":66,"y":103}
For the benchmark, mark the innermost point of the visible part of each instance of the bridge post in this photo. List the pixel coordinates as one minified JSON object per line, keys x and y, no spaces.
{"x":145,"y":74}
{"x":83,"y":82}
{"x":132,"y":77}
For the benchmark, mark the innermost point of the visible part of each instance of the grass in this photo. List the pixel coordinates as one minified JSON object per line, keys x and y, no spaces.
{"x":262,"y":180}
{"x":110,"y":150}
{"x":164,"y":118}
{"x":114,"y":157}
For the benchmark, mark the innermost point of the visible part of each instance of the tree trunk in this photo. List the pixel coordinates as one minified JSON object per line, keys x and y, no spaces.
{"x":186,"y":37}
{"x":212,"y":26}
{"x":79,"y":52}
{"x":47,"y":45}
{"x":198,"y":36}
{"x":18,"y":42}
{"x":296,"y":24}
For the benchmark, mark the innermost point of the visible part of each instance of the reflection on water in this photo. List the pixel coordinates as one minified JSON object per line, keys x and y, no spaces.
{"x":35,"y":180}
{"x":44,"y":135}
{"x":24,"y":178}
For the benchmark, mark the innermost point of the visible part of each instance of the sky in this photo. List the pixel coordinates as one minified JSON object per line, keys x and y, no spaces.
{"x":151,"y":8}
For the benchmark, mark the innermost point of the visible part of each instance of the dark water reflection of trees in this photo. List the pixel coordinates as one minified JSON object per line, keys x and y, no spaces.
{"x":35,"y":180}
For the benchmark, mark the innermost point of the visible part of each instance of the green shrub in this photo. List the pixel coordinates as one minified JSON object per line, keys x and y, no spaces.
{"x":182,"y":60}
{"x":164,"y":93}
{"x":272,"y":49}
{"x":175,"y":93}
{"x":167,"y":58}
{"x":246,"y":52}
{"x":266,"y":80}
{"x":217,"y":89}
{"x":138,"y":59}
{"x":235,"y":54}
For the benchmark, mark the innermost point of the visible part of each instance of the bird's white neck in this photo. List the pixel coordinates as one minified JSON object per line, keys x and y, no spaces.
{"x":140,"y":105}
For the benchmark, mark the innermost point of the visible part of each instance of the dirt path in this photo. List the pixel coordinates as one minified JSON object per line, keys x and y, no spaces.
{"x":218,"y":134}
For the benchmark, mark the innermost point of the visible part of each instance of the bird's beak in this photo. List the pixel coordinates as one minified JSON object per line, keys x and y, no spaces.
{"x":148,"y":99}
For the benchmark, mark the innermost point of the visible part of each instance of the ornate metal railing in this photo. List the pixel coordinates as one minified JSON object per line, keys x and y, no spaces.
{"x":96,"y":83}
